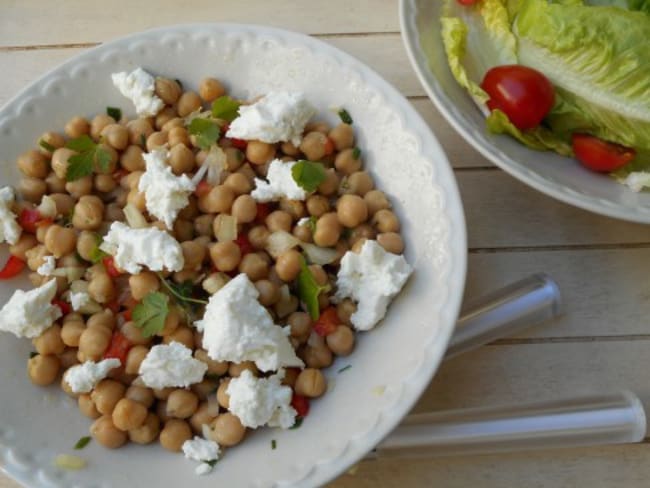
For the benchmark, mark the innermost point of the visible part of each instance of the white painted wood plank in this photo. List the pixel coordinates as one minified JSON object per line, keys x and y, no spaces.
{"x":76,"y":21}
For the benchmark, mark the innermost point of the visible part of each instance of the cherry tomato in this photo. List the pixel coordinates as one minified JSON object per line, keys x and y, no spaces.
{"x":244,"y":244}
{"x":109,"y":264}
{"x":118,"y":348}
{"x":263,"y":211}
{"x":300,"y":404}
{"x":239,"y":143}
{"x":467,"y":2}
{"x":12,"y":268}
{"x":523,"y":94}
{"x":63,"y":306}
{"x":203,"y":188}
{"x":599,"y":155}
{"x":30,"y":219}
{"x":327,"y":322}
{"x":329,"y":146}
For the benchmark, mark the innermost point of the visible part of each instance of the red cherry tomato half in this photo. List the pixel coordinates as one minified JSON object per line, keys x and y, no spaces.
{"x":12,"y":268}
{"x":109,"y":264}
{"x":523,"y":94}
{"x":118,"y":348}
{"x":599,"y":155}
{"x":63,"y":306}
{"x":327,"y":323}
{"x":300,"y":404}
{"x":244,"y":244}
{"x":30,"y":219}
{"x":239,"y":144}
{"x":263,"y":211}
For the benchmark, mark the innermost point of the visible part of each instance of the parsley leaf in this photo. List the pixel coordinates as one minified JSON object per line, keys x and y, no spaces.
{"x":90,"y":154}
{"x":46,"y":145}
{"x":96,"y":254}
{"x":182,"y":292}
{"x":150,"y":314}
{"x":308,"y":174}
{"x":345,"y":116}
{"x":211,"y":462}
{"x":81,"y":443}
{"x":225,"y":108}
{"x":206,"y":132}
{"x":114,"y":112}
{"x":308,"y":290}
{"x":274,"y":444}
{"x":356,"y":153}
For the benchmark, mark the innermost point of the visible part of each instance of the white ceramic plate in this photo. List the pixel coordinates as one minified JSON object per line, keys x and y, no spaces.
{"x":391,"y":365}
{"x":559,"y":177}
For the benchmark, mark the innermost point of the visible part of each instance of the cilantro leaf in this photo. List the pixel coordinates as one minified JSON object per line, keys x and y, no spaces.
{"x":90,"y":154}
{"x":46,"y":145}
{"x":81,"y":443}
{"x":356,"y":153}
{"x":150,"y":314}
{"x":96,"y":254}
{"x":345,"y":116}
{"x":308,"y":174}
{"x":81,"y":144}
{"x":308,"y":290}
{"x":206,"y":132}
{"x":114,"y":112}
{"x":225,"y":108}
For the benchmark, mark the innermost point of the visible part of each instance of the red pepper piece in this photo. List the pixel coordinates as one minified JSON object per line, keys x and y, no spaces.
{"x":118,"y":348}
{"x":109,"y":264}
{"x":244,"y":244}
{"x":327,"y":323}
{"x":30,"y":219}
{"x":263,"y":211}
{"x":63,"y":306}
{"x":300,"y":404}
{"x":12,"y":267}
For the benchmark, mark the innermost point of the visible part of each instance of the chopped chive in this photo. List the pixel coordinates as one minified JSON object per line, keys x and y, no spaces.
{"x":297,"y":424}
{"x":211,"y":462}
{"x":356,"y":152}
{"x":345,"y":116}
{"x":33,"y":354}
{"x":180,"y":83}
{"x":81,"y":443}
{"x":143,"y":140}
{"x":273,"y":444}
{"x":114,"y":112}
{"x":344,"y":368}
{"x":46,"y":145}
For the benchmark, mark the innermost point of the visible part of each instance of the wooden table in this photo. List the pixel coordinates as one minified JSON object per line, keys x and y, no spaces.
{"x":602,"y":265}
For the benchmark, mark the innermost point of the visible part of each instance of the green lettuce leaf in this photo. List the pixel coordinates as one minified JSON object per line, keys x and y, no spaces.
{"x":642,"y":5}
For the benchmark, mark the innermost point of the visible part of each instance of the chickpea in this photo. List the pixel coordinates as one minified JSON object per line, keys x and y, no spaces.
{"x":87,"y":407}
{"x":391,"y":242}
{"x":137,"y":199}
{"x":102,"y":289}
{"x":172,"y":321}
{"x":288,"y":265}
{"x":88,"y":213}
{"x":364,"y":231}
{"x":120,"y":196}
{"x":32,"y":189}
{"x":77,"y":127}
{"x":210,"y":89}
{"x":182,"y":404}
{"x":346,"y":163}
{"x":317,"y":205}
{"x":98,"y":123}
{"x":134,"y":358}
{"x":87,"y":243}
{"x":116,"y":135}
{"x":43,"y":370}
{"x":227,"y":430}
{"x":113,"y":212}
{"x":303,"y":232}
{"x":93,"y":342}
{"x":258,"y":236}
{"x":310,"y":383}
{"x":106,"y":395}
{"x":163,"y":393}
{"x":156,"y":139}
{"x":59,"y":161}
{"x":168,"y":90}
{"x":128,"y":414}
{"x":181,"y":159}
{"x":165,"y":116}
{"x":316,"y":354}
{"x":244,"y":209}
{"x":24,"y":244}
{"x":203,"y":416}
{"x":254,"y":266}
{"x":139,"y":131}
{"x":236,"y":369}
{"x":258,"y":152}
{"x":222,"y":396}
{"x":172,"y":123}
{"x":341,"y":341}
{"x":54,"y":183}
{"x":182,"y":334}
{"x":105,"y":433}
{"x":205,"y":388}
{"x":300,"y":325}
{"x":386,"y":221}
{"x":188,"y":103}
{"x":331,"y":183}
{"x":269,"y":292}
{"x":132,"y":180}
{"x":318,"y":127}
{"x":178,"y":135}
{"x":194,"y":254}
{"x":147,"y":432}
{"x":174,"y":434}
{"x":328,"y":230}
{"x":238,"y":183}
{"x":105,"y":319}
{"x":225,"y":255}
{"x":104,"y":183}
{"x":279,"y":220}
{"x":60,"y":240}
{"x":342,"y":136}
{"x":289,"y":149}
{"x":376,"y":200}
{"x":134,"y":334}
{"x":218,"y":368}
{"x":49,"y":342}
{"x":140,"y":394}
{"x":36,"y":257}
{"x":143,"y":283}
{"x":218,"y":200}
{"x":360,"y":183}
{"x":203,"y":224}
{"x":161,"y":410}
{"x":314,"y":145}
{"x":358,"y":245}
{"x":351,"y":210}
{"x":33,"y":164}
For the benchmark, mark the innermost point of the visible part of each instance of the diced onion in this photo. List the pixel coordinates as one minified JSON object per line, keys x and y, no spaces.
{"x":216,"y":163}
{"x":319,"y":255}
{"x":225,"y":227}
{"x":67,"y":461}
{"x":47,"y":208}
{"x":280,"y":242}
{"x":71,"y":273}
{"x":215,"y":282}
{"x":134,"y":217}
{"x":213,"y":408}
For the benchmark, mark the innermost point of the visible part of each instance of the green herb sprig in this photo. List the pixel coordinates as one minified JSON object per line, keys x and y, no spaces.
{"x":90,"y":155}
{"x":309,"y":290}
{"x":308,"y":174}
{"x":206,"y":132}
{"x":150,"y":314}
{"x":225,"y":108}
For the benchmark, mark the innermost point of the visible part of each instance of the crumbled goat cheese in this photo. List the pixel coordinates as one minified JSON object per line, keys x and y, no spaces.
{"x":165,"y":193}
{"x":280,"y":184}
{"x":638,"y":180}
{"x":202,"y":450}
{"x":277,"y":117}
{"x":139,"y":86}
{"x":150,"y":247}
{"x":82,"y":378}
{"x":48,"y":266}
{"x":171,"y":365}
{"x":372,"y":278}
{"x":237,"y":328}
{"x":29,"y":313}
{"x":79,"y":300}
{"x":9,"y":229}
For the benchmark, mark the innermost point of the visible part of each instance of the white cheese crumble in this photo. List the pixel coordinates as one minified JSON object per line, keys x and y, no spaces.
{"x":277,"y":117}
{"x":165,"y":193}
{"x":171,"y":365}
{"x":29,"y":313}
{"x":82,"y":378}
{"x":139,"y":86}
{"x":202,"y":450}
{"x":280,"y":184}
{"x":9,"y":229}
{"x":261,"y":401}
{"x":237,"y":328}
{"x":48,"y":266}
{"x":372,"y":278}
{"x":150,"y":247}
{"x":79,"y":300}
{"x":638,"y":180}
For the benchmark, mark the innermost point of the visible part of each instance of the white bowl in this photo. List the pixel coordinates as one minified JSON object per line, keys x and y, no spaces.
{"x":557,"y":176}
{"x":391,"y":365}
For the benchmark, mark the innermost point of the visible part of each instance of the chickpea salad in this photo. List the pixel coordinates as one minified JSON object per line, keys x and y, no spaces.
{"x":196,"y":267}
